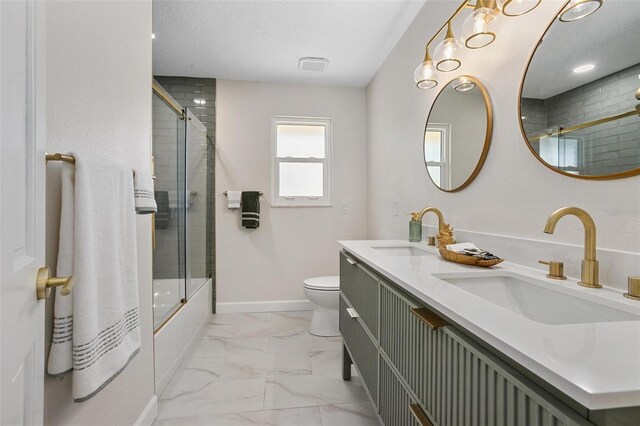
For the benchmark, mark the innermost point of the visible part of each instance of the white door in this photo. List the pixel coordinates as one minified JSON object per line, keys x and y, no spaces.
{"x":22,"y":168}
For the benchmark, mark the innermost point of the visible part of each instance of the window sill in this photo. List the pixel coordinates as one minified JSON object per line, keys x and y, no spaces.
{"x":301,"y":203}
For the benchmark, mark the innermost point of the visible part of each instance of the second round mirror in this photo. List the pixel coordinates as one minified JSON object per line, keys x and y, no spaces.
{"x":458,"y":134}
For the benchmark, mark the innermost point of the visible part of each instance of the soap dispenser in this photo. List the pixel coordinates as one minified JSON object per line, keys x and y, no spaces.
{"x":415,"y":228}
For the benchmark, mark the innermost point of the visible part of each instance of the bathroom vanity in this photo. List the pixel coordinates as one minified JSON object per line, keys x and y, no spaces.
{"x":438,"y":343}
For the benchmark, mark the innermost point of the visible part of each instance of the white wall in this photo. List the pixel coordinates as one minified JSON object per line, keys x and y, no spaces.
{"x":514,"y":193}
{"x":99,"y":103}
{"x":291,"y":244}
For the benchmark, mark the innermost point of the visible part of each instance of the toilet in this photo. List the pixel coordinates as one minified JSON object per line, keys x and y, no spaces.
{"x":323,"y":292}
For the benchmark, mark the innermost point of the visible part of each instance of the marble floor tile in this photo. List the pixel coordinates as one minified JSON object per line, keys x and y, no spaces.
{"x":304,"y":391}
{"x":307,"y":416}
{"x":200,"y":370}
{"x":208,"y":347}
{"x":326,"y":362}
{"x":237,"y":318}
{"x":241,"y":364}
{"x":302,"y":318}
{"x":303,"y":342}
{"x":289,"y":364}
{"x":261,"y":329}
{"x":354,"y":414}
{"x":223,"y":396}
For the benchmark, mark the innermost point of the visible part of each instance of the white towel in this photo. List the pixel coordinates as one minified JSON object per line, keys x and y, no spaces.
{"x":143,"y":191}
{"x":96,"y":328}
{"x":233,"y":199}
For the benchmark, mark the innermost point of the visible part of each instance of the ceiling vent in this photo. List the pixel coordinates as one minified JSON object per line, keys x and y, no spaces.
{"x":313,"y":64}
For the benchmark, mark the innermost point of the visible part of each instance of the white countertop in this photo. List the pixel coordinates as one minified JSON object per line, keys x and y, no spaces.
{"x":596,"y":364}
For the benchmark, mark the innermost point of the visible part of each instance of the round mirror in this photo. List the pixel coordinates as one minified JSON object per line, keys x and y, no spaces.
{"x":579,"y":100}
{"x":458,"y":134}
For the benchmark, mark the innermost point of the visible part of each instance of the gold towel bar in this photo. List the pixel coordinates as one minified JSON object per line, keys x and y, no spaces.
{"x":225,"y":193}
{"x":61,"y":157}
{"x":70,"y":159}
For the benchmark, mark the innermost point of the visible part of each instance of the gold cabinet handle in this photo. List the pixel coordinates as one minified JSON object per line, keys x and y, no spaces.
{"x":420,"y":416}
{"x":429,"y":318}
{"x":351,"y":261}
{"x":44,"y":282}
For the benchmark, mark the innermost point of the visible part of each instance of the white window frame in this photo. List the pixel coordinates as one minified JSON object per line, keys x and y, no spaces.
{"x":445,"y":149}
{"x":325,"y":200}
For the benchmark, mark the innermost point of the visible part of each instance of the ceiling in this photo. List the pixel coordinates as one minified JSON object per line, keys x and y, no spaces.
{"x":608,"y":39}
{"x":263,"y":40}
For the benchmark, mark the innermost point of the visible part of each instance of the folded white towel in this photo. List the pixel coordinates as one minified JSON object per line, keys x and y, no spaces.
{"x":143,"y":190}
{"x":96,"y":328}
{"x":233,"y":199}
{"x":461,"y":247}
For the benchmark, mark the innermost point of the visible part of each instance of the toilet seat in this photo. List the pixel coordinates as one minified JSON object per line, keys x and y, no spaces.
{"x":330,"y":283}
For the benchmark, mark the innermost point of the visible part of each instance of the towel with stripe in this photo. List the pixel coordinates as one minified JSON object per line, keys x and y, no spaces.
{"x":251,"y":209}
{"x":96,"y":328}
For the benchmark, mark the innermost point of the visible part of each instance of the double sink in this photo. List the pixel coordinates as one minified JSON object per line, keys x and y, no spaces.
{"x":536,"y":299}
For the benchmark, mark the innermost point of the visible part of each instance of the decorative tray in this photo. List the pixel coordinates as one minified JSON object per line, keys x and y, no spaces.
{"x":445,"y":236}
{"x":464,"y":259}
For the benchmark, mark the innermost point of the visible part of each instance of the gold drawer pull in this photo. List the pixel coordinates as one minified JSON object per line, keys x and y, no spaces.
{"x":44,"y":282}
{"x":429,"y":318}
{"x":420,"y":416}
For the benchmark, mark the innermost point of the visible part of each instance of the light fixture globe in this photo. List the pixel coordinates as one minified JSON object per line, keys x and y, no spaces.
{"x":424,"y":73}
{"x":517,"y":7}
{"x":578,"y":9}
{"x":463,"y":84}
{"x":447,"y":52}
{"x":479,"y":28}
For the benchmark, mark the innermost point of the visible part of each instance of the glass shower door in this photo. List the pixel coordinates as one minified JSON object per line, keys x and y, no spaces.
{"x":169,"y":257}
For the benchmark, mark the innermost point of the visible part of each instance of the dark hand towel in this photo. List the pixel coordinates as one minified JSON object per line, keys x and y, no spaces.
{"x":251,"y":209}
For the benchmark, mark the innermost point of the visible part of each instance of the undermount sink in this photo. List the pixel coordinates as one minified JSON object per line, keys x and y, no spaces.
{"x":401,"y":251}
{"x":536,"y":300}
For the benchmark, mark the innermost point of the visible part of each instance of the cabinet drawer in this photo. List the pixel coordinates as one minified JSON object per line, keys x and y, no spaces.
{"x":394,"y":399}
{"x":361,"y":290}
{"x":363,"y":351}
{"x":457,"y":381}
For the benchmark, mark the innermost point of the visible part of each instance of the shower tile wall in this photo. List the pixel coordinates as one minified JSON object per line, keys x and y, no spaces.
{"x":186,"y":91}
{"x":607,"y":148}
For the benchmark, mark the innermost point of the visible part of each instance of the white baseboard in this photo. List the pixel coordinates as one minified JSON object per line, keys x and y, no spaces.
{"x":267,"y":306}
{"x":149,"y":414}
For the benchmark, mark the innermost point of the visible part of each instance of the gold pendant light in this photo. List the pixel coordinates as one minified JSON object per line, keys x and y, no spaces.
{"x":447,"y":52}
{"x":517,"y":7}
{"x":578,"y":9}
{"x":424,"y":73}
{"x":478,"y":29}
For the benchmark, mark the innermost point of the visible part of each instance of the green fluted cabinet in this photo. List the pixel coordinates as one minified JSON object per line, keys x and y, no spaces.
{"x":421,"y":370}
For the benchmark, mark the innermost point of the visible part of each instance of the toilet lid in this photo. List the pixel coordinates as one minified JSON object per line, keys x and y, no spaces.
{"x":323,"y":283}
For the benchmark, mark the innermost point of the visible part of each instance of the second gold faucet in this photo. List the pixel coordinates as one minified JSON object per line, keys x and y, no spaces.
{"x":589,"y":273}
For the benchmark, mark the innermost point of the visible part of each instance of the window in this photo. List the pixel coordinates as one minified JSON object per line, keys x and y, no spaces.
{"x":436,"y":153}
{"x":301,"y":161}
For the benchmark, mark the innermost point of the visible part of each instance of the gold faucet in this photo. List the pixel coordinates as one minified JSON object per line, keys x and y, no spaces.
{"x":589,"y":275}
{"x":440,"y":219}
